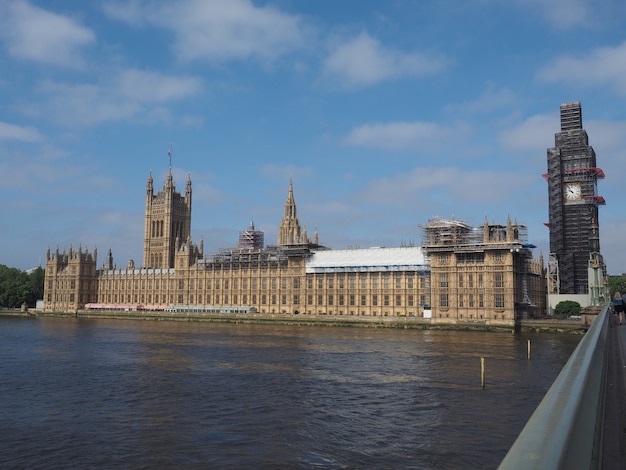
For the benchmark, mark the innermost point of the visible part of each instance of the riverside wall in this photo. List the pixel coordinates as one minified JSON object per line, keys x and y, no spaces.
{"x":548,"y":325}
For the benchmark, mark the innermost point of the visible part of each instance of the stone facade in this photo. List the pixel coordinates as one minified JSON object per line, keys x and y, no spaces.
{"x":458,"y":280}
{"x":167,"y":222}
{"x":483,"y":274}
{"x":71,"y":279}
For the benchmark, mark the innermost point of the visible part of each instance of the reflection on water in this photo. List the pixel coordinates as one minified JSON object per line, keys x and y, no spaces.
{"x":99,"y":393}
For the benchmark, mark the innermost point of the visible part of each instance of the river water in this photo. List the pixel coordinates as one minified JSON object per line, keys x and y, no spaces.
{"x":78,"y":393}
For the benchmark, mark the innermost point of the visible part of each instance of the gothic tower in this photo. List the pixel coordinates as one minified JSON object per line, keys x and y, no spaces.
{"x":167,"y":222}
{"x":573,"y":203}
{"x":70,"y":279}
{"x":289,"y":232}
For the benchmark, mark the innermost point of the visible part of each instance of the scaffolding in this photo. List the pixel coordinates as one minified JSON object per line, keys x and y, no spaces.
{"x":251,"y":239}
{"x":234,"y":260}
{"x":571,"y":116}
{"x":571,"y":161}
{"x":554,"y":283}
{"x":445,"y":233}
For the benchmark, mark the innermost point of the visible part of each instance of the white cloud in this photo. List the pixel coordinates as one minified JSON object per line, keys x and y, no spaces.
{"x":283,"y":173}
{"x":217,"y":30}
{"x":133,"y":12}
{"x":447,"y":185}
{"x":532,"y":134}
{"x":609,"y":136}
{"x":148,"y":86}
{"x":602,"y":67}
{"x":46,"y":170}
{"x":492,"y":99}
{"x":32,"y":33}
{"x":561,"y":13}
{"x":86,"y":104}
{"x":364,"y":61}
{"x":397,"y":135}
{"x":130,"y":94}
{"x":20,"y":133}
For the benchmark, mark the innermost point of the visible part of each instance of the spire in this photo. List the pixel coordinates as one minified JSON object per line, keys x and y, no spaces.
{"x":289,"y":230}
{"x":509,"y":229}
{"x":150,"y":181}
{"x":486,"y":230}
{"x":109,"y":261}
{"x":290,"y":204}
{"x":169,"y":182}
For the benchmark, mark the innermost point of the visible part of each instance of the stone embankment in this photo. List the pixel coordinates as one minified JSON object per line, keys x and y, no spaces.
{"x":551,"y":326}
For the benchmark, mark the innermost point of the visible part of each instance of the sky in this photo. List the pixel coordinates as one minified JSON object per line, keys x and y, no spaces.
{"x":384,"y":114}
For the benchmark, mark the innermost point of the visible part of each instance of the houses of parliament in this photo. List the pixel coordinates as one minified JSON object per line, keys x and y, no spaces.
{"x":459,"y":273}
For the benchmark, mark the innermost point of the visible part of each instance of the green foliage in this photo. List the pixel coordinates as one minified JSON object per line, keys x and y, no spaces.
{"x":617,"y":284}
{"x":36,"y":279}
{"x":567,"y":308}
{"x":18,"y":287}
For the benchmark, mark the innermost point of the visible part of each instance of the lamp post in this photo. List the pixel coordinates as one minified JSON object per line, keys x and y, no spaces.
{"x":594,"y":248}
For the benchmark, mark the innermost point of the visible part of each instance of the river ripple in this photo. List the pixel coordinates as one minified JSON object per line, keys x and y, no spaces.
{"x":144,"y":394}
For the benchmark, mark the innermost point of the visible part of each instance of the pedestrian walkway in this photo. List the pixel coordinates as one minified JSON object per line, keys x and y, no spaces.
{"x":614,"y":445}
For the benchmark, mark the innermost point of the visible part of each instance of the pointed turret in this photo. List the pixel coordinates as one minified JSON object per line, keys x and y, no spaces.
{"x":150,"y":186}
{"x":509,"y":229}
{"x":289,"y":232}
{"x":486,"y":230}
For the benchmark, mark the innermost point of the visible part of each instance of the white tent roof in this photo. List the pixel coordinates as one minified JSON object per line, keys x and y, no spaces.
{"x":369,"y":259}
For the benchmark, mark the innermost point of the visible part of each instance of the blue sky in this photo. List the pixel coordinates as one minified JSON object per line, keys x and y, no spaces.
{"x":385,"y":114}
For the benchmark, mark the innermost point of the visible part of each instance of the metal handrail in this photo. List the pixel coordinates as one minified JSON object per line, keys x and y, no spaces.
{"x":565,"y":431}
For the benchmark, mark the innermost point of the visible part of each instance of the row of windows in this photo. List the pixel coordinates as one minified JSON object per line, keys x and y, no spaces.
{"x":226,"y":284}
{"x":156,"y":259}
{"x":320,"y":281}
{"x":84,"y":269}
{"x":498,"y":300}
{"x":68,"y":298}
{"x":498,"y":280}
{"x":60,"y":284}
{"x":270,"y":299}
{"x":352,"y":282}
{"x":470,"y":258}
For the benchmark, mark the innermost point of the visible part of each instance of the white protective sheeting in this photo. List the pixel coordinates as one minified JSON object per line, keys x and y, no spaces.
{"x":368,"y":259}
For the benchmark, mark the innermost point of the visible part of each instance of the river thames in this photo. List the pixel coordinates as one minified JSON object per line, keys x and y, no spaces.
{"x":81,"y":393}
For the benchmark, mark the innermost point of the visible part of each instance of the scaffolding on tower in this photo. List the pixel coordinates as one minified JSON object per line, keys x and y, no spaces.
{"x":251,"y":239}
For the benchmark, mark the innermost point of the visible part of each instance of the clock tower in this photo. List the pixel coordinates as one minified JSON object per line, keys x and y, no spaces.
{"x":573,"y":204}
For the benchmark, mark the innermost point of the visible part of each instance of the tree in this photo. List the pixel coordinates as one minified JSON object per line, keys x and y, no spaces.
{"x":18,"y":287}
{"x":36,"y":281}
{"x":567,"y":308}
{"x":617,"y":284}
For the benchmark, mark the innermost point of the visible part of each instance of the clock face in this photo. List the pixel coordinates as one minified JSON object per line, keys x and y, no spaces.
{"x":572,"y":191}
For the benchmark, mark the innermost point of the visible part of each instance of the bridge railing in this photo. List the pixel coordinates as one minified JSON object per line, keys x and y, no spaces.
{"x":565,"y":431}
